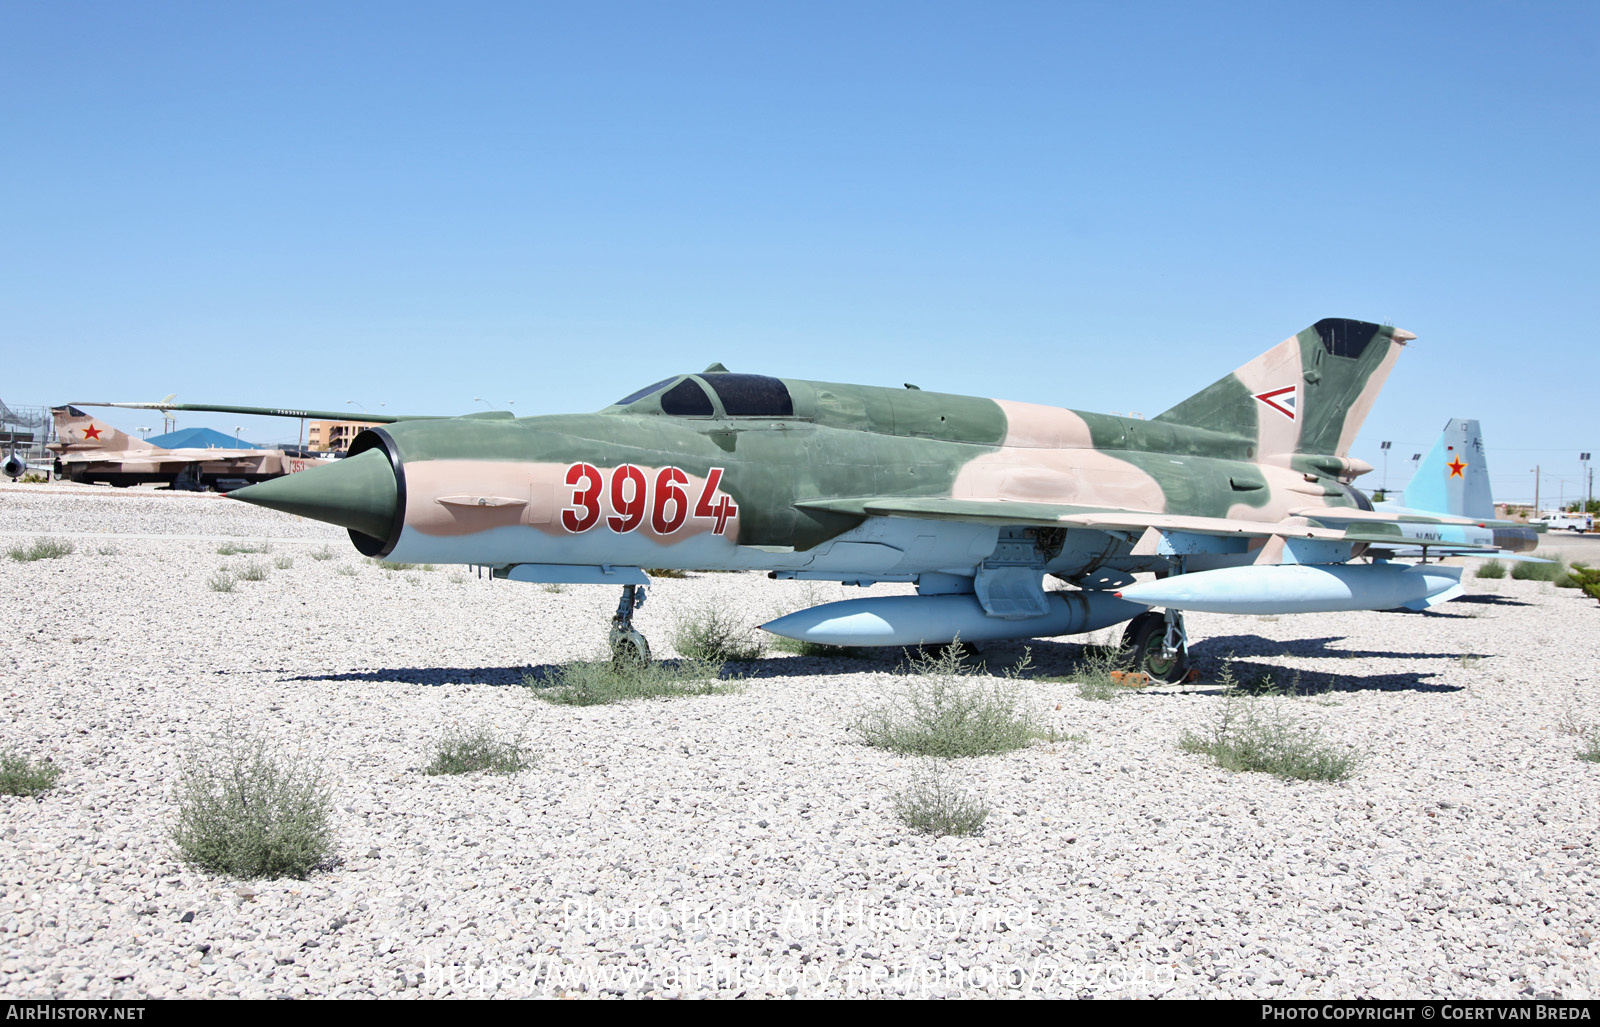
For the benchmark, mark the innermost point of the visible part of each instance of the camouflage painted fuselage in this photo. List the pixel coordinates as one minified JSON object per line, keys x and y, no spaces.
{"x":849,"y":482}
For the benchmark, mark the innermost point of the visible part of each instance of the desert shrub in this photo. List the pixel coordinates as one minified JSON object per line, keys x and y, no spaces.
{"x":934,"y":802}
{"x":221,"y":581}
{"x":283,"y":563}
{"x":248,"y":811}
{"x":1525,"y":570}
{"x":666,"y":572}
{"x":325,"y":553}
{"x":1254,"y":733}
{"x":40,"y":549}
{"x":238,"y":548}
{"x":1589,"y":744}
{"x":252,"y":571}
{"x":593,"y":682}
{"x":946,"y":709}
{"x":712,"y":635}
{"x":1093,"y":670}
{"x":346,"y":570}
{"x":1491,"y":569}
{"x":1587,"y":579}
{"x":477,"y":747}
{"x":21,"y":776}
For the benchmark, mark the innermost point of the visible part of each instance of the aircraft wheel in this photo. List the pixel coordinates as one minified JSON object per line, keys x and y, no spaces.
{"x":1148,"y":649}
{"x":628,"y":646}
{"x":1136,"y":630}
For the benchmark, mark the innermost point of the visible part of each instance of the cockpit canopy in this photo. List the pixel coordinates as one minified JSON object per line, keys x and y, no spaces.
{"x":740,"y":395}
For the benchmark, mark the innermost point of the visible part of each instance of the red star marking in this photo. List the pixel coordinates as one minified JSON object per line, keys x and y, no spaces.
{"x":91,"y":432}
{"x":1456,"y":467}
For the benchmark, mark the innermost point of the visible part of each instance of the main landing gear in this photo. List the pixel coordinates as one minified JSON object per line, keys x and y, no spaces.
{"x":1156,"y":644}
{"x":627,"y":645}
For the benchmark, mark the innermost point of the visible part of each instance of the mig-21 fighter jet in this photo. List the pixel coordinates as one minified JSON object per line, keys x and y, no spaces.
{"x":1238,"y":499}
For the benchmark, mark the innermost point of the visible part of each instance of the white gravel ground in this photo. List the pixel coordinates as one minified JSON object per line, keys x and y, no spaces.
{"x":744,"y":844}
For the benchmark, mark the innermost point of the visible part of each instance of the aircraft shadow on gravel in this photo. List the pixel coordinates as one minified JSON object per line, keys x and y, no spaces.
{"x":428,"y":675}
{"x":1490,"y":600}
{"x":1312,"y":648}
{"x":1267,"y":678}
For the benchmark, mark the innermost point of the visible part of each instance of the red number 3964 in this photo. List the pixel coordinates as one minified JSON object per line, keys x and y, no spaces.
{"x":632,"y":493}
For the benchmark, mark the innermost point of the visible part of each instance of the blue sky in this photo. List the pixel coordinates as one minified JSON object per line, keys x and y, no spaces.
{"x":1102,"y":206}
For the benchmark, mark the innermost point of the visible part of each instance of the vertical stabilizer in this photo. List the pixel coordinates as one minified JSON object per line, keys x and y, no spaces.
{"x":1308,"y":394}
{"x":1454,"y":477}
{"x":77,"y":432}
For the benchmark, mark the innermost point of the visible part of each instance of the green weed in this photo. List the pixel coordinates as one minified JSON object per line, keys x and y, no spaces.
{"x":591,"y":683}
{"x":474,"y":748}
{"x":41,"y":549}
{"x":238,"y":548}
{"x":22,"y":776}
{"x":252,"y":571}
{"x":1254,"y":733}
{"x":1491,"y":569}
{"x":247,"y":811}
{"x":666,"y":572}
{"x":945,"y":710}
{"x":221,"y":581}
{"x":1525,"y":571}
{"x":934,"y":802}
{"x":325,"y":553}
{"x":283,"y":563}
{"x":713,"y":636}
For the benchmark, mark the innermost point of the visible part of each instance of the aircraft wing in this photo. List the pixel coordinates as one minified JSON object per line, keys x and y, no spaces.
{"x":1064,"y":515}
{"x":319,"y":415}
{"x":1412,"y":534}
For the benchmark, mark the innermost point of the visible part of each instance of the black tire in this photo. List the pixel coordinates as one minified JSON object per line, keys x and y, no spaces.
{"x":629,"y":647}
{"x":1146,"y":637}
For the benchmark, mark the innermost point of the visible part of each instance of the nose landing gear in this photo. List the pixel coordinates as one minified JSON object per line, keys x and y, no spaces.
{"x":627,"y":644}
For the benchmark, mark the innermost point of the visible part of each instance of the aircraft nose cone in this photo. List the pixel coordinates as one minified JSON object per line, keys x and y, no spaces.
{"x":358,"y":492}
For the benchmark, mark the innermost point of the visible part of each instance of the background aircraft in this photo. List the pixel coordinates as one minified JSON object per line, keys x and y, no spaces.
{"x":1453,"y":480}
{"x":90,"y":450}
{"x":1237,"y":498}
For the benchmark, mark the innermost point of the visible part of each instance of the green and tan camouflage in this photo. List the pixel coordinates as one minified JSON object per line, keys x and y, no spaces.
{"x":89,"y":450}
{"x":961,"y":495}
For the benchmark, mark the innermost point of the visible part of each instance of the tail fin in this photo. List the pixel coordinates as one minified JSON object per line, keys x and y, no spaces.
{"x":77,"y":431}
{"x":1308,"y":394}
{"x":1454,"y":477}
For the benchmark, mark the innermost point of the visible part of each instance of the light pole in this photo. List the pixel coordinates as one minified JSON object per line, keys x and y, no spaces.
{"x":1587,"y":481}
{"x":353,"y":403}
{"x":237,"y":429}
{"x":480,"y":399}
{"x":144,"y":433}
{"x":1385,"y":447}
{"x":1536,"y":490}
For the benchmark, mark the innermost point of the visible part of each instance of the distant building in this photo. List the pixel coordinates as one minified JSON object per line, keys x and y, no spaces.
{"x":1519,"y":512}
{"x":334,"y":436}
